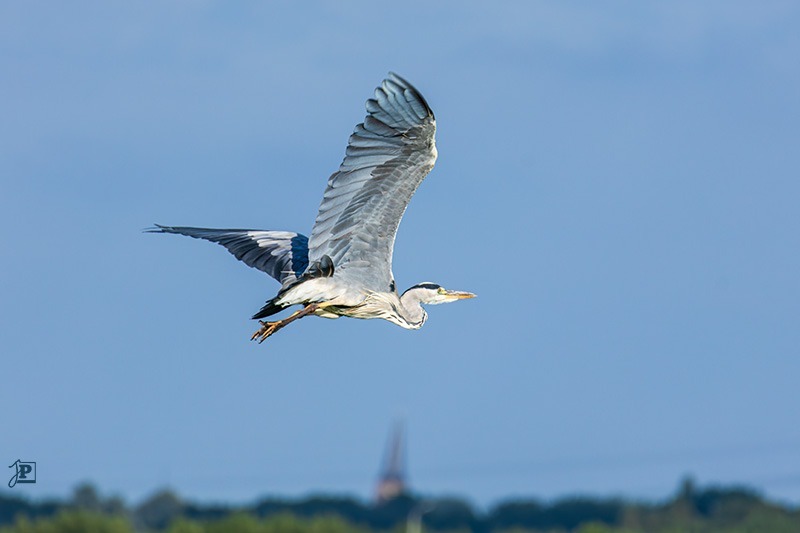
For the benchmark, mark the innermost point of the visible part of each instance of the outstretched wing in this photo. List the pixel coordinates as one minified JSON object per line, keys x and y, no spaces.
{"x":281,"y":254}
{"x":387,"y":157}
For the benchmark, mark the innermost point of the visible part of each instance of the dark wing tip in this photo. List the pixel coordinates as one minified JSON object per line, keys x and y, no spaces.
{"x":406,"y":85}
{"x":156,"y":228}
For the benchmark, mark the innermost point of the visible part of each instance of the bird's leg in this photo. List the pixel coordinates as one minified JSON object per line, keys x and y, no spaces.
{"x":268,"y":328}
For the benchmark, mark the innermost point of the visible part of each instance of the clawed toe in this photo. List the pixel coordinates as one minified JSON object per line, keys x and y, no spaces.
{"x":267,"y":329}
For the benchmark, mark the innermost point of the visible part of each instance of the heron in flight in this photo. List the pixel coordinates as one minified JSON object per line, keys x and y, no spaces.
{"x":345,"y":267}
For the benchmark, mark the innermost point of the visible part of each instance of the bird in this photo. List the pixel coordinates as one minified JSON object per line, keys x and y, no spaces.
{"x":345,"y":267}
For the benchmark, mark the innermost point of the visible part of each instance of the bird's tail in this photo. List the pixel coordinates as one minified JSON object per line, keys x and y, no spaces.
{"x":269,"y":309}
{"x":318,"y":269}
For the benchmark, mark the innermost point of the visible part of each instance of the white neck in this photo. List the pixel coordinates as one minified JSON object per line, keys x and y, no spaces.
{"x":410,"y":310}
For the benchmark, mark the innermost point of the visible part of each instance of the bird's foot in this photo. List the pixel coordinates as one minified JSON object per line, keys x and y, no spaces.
{"x":267,"y":329}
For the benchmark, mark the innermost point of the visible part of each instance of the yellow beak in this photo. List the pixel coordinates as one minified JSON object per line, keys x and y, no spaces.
{"x":460,"y":295}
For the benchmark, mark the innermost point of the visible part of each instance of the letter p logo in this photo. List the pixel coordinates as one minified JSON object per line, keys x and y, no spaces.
{"x":24,"y":472}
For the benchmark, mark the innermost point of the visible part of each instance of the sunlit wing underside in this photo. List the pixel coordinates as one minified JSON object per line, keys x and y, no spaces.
{"x":387,"y":157}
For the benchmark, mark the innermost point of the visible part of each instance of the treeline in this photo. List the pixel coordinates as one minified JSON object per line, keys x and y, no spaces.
{"x":691,"y":509}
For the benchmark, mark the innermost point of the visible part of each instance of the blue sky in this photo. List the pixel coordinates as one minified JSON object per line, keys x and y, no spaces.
{"x":617,"y":183}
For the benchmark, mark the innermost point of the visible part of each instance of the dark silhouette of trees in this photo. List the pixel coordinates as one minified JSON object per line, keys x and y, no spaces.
{"x":568,"y":513}
{"x":159,"y":510}
{"x":704,"y":510}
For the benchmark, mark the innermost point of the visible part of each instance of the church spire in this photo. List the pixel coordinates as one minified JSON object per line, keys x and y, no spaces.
{"x":392,"y":481}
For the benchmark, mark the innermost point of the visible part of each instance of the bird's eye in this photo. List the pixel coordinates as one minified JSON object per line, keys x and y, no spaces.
{"x":442,"y":291}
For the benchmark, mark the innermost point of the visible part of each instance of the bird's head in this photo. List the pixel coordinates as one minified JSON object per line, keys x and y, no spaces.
{"x":433,"y":294}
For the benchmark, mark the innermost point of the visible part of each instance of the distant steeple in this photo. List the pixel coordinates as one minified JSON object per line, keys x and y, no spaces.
{"x":392,"y":481}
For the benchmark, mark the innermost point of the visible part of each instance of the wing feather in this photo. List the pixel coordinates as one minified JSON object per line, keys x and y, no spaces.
{"x":387,"y":157}
{"x":281,"y":254}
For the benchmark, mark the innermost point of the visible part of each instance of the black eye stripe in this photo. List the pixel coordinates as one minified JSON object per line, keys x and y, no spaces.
{"x":431,"y":286}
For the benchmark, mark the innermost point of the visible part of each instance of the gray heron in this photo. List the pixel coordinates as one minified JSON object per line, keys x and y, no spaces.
{"x":345,"y":267}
